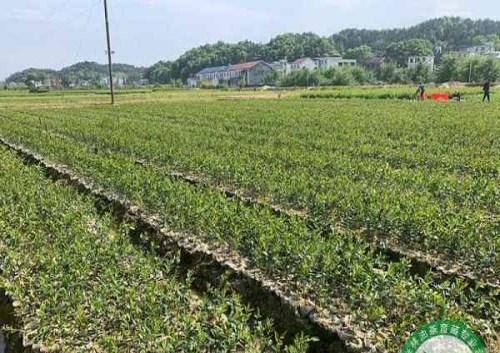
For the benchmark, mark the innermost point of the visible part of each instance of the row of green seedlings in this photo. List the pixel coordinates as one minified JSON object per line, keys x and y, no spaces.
{"x":206,"y":268}
{"x":58,"y":148}
{"x":465,"y":268}
{"x":421,"y":265}
{"x":81,"y":284}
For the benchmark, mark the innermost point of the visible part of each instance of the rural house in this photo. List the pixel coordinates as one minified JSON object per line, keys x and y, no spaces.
{"x":254,"y":73}
{"x":375,"y":63}
{"x":329,"y":62}
{"x":282,"y":67}
{"x":213,"y":76}
{"x":249,"y":74}
{"x":414,"y":61}
{"x":485,"y":49}
{"x":303,"y":64}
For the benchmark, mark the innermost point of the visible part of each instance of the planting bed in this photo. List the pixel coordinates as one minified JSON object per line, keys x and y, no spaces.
{"x":311,"y":196}
{"x":80,"y":284}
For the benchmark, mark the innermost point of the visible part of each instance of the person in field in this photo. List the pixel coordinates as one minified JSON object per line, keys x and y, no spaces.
{"x":421,"y":92}
{"x":486,"y":90}
{"x":456,"y":96}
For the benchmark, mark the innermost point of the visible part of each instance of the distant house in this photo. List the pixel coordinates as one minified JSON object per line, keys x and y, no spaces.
{"x":53,"y":83}
{"x":321,"y":63}
{"x":303,"y":64}
{"x":87,"y":83}
{"x":119,"y":80}
{"x":247,"y":74}
{"x":415,"y":61}
{"x":484,"y":49}
{"x":192,"y":82}
{"x":375,"y":63}
{"x":329,"y":62}
{"x":250,"y":74}
{"x":37,"y":84}
{"x":212,"y":76}
{"x":282,"y":67}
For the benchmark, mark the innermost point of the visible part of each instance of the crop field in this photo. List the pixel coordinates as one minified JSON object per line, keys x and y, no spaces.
{"x":375,"y":215}
{"x":81,"y":285}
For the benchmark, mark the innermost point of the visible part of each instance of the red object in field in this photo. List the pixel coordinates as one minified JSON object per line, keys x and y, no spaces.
{"x":440,"y":97}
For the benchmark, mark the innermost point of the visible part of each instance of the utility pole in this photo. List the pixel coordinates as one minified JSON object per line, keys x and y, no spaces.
{"x":470,"y":72}
{"x":110,"y":62}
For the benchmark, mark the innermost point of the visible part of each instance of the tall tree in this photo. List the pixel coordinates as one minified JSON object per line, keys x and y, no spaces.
{"x":400,"y":51}
{"x":361,"y":54}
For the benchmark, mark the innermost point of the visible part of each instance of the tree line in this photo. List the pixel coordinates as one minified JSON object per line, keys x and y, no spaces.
{"x":89,"y":72}
{"x":395,"y":45}
{"x":452,"y":68}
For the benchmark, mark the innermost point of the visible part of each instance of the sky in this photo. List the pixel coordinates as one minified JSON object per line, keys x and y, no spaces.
{"x":58,"y":33}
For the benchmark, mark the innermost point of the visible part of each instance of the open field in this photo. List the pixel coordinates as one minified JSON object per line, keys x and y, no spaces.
{"x":317,"y":194}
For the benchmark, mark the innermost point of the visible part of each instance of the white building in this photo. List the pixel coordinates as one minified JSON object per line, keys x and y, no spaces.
{"x":303,"y":64}
{"x":414,"y":61}
{"x":192,"y":82}
{"x":282,"y":67}
{"x":329,"y":62}
{"x":484,"y":49}
{"x":250,"y":74}
{"x":119,"y":80}
{"x":322,"y":63}
{"x":212,"y":76}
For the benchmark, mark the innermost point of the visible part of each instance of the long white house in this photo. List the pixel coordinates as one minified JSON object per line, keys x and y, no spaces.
{"x":254,"y":73}
{"x":328,"y":62}
{"x":250,"y":74}
{"x":414,"y":61}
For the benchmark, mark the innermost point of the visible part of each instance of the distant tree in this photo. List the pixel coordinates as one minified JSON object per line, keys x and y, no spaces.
{"x":452,"y":32}
{"x":361,"y":76}
{"x":448,"y":33}
{"x":159,"y":73}
{"x":217,"y":54}
{"x":391,"y":73}
{"x":290,"y":46}
{"x":422,"y":73}
{"x":488,"y":69}
{"x":33,"y":78}
{"x":302,"y":78}
{"x":66,"y":81}
{"x":361,"y":54}
{"x":449,"y":68}
{"x":272,"y":79}
{"x":465,"y":69}
{"x":493,"y":39}
{"x":400,"y":51}
{"x":293,"y":46}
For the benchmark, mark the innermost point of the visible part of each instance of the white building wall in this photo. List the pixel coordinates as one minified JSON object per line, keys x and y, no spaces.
{"x":414,"y":61}
{"x":326,"y":63}
{"x":308,"y":64}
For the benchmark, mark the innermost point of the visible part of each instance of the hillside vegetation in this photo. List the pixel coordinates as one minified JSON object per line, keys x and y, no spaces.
{"x":449,"y":33}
